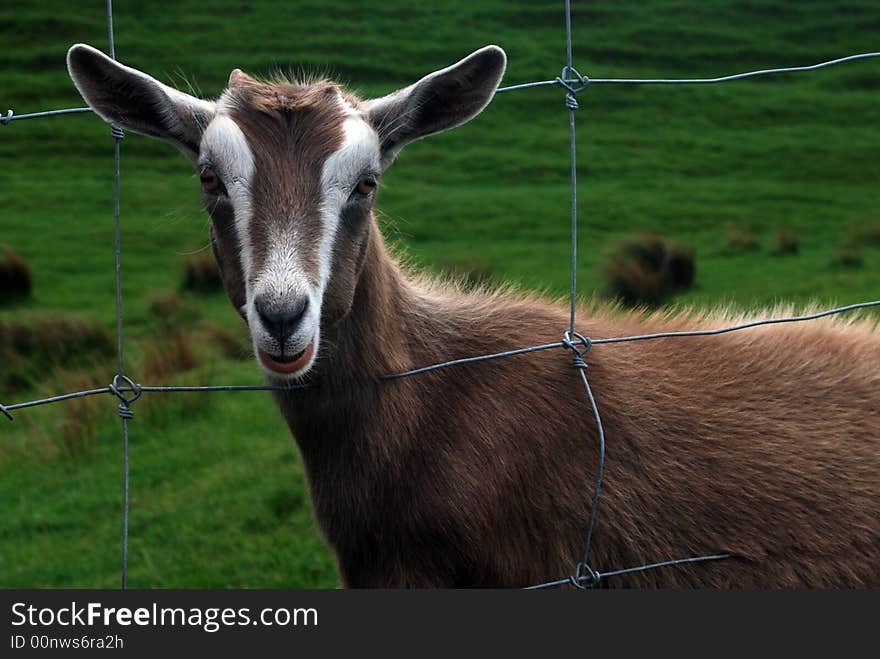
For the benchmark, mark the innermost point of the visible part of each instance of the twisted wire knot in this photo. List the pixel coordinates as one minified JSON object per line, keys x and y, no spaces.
{"x":121,"y":385}
{"x":572,"y":81}
{"x":6,"y":412}
{"x":584,"y":577}
{"x":5,"y":119}
{"x":579,"y":345}
{"x":116,"y":132}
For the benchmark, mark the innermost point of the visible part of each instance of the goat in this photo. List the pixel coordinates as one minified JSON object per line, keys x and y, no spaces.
{"x":764,"y":444}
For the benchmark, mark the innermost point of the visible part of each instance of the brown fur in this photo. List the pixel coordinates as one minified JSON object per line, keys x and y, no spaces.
{"x":762,"y":443}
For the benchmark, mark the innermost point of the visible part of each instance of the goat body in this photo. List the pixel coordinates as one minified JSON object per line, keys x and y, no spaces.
{"x":763,"y":443}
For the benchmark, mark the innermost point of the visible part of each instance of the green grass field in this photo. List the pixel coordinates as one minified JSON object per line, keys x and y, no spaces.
{"x":218,"y":498}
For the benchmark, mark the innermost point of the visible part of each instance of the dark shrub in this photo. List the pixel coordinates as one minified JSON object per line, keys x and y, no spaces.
{"x":32,"y":350}
{"x":847,"y":257}
{"x":785,"y":242}
{"x":168,"y":309}
{"x":647,"y":269}
{"x":15,"y":276}
{"x":741,"y":239}
{"x":168,"y":354}
{"x":231,"y":345}
{"x":201,"y":274}
{"x":869,"y":234}
{"x":80,"y":418}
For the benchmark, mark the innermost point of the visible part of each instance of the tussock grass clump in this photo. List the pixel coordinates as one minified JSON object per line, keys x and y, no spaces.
{"x":79,"y":419}
{"x":201,"y":273}
{"x":869,"y":234}
{"x":647,"y":269}
{"x":169,"y":353}
{"x":849,"y":258}
{"x":168,"y":309}
{"x":229,"y":344}
{"x":32,"y":350}
{"x":785,"y":242}
{"x":742,"y":239}
{"x":15,"y":276}
{"x":67,"y":429}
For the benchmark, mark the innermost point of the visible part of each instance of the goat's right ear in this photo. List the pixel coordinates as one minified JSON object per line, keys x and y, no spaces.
{"x":137,"y":102}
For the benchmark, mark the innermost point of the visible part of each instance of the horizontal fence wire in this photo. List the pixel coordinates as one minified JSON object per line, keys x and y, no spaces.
{"x":578,"y":84}
{"x":447,"y":364}
{"x":592,"y":579}
{"x":11,"y":116}
{"x":585,"y":80}
{"x":573,"y":82}
{"x":7,"y":409}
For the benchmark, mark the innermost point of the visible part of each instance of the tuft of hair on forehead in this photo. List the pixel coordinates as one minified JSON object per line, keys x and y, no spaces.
{"x":290,"y":122}
{"x":280,"y":95}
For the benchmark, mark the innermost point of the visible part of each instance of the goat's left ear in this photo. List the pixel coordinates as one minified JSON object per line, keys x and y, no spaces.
{"x":442,"y":100}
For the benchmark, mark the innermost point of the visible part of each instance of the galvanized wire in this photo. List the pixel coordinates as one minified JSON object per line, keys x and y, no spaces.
{"x":581,"y":365}
{"x":11,"y":116}
{"x":641,"y":337}
{"x":124,"y":408}
{"x":462,"y":361}
{"x":472,"y":360}
{"x":577,"y":83}
{"x":593,"y":578}
{"x":226,"y":387}
{"x":582,"y":81}
{"x":54,"y":399}
{"x":573,"y":82}
{"x":572,"y":105}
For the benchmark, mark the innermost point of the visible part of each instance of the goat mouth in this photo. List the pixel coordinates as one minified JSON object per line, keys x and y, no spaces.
{"x":287,"y":364}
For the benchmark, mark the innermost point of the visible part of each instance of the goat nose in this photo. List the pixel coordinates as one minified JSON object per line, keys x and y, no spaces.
{"x":281,"y":320}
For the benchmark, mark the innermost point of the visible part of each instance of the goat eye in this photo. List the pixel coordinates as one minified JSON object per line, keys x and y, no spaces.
{"x":210,"y":181}
{"x":366,"y":185}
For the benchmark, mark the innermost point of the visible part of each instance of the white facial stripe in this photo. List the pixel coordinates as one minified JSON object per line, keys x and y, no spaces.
{"x":358,"y":154}
{"x":225,"y":145}
{"x":283,"y":276}
{"x":227,"y":148}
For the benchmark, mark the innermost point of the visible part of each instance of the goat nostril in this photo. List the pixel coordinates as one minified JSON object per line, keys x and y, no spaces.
{"x":298,"y":310}
{"x":281,"y":320}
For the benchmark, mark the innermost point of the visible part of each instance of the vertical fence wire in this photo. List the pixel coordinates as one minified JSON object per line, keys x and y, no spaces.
{"x":572,"y":104}
{"x":124,"y":410}
{"x":580,"y":364}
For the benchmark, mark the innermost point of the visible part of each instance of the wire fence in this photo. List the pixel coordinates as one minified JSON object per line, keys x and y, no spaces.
{"x":127,"y":391}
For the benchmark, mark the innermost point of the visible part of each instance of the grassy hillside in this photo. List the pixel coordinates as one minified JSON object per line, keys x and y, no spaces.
{"x":217,"y":491}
